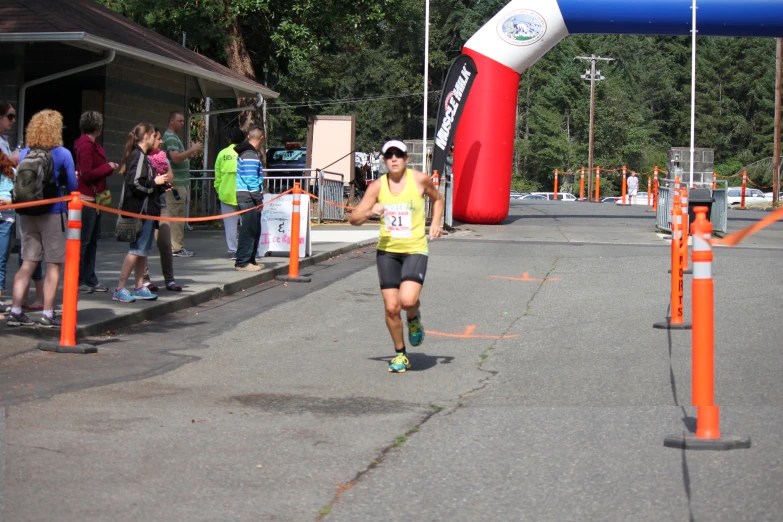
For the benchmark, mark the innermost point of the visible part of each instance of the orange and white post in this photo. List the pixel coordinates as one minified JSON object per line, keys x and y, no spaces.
{"x":555,"y":184}
{"x":625,"y":186}
{"x":582,"y":185}
{"x":655,"y":189}
{"x":649,"y":192}
{"x":598,"y":184}
{"x":293,"y":260}
{"x":708,"y":436}
{"x":73,"y":247}
{"x":676,"y":321}
{"x":744,"y":188}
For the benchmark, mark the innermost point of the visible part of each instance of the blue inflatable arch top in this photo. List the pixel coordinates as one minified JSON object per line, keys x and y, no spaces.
{"x":523,"y":31}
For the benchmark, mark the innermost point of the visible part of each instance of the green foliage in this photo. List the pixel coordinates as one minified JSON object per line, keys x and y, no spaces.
{"x":365,"y":57}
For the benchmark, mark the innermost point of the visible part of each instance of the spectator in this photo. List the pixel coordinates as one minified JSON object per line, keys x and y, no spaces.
{"x":6,"y":220}
{"x":92,"y":171}
{"x":179,"y":158}
{"x":160,"y":165}
{"x":226,"y":188}
{"x":7,"y":119}
{"x":141,"y":195}
{"x":633,"y":187}
{"x":43,"y":236}
{"x":249,"y":195}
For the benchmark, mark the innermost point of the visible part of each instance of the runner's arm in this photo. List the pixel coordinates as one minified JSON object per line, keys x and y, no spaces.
{"x":368,"y":206}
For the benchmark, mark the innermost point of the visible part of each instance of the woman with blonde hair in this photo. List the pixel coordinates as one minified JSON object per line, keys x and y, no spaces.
{"x":141,"y":193}
{"x":43,"y":235}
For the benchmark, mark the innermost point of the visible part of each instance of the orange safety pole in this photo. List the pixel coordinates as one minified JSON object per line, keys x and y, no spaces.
{"x":655,"y":188}
{"x":707,"y":435}
{"x":293,"y":260}
{"x":744,"y":188}
{"x":676,"y":321}
{"x":582,"y":185}
{"x":625,"y":189}
{"x":685,"y":228}
{"x":598,"y":184}
{"x":555,"y":184}
{"x":649,"y":191}
{"x":73,"y":248}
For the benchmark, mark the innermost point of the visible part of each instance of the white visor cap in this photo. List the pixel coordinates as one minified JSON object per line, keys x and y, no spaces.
{"x":394,"y":144}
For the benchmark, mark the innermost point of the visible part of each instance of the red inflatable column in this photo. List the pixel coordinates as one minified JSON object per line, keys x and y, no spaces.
{"x":484,"y":144}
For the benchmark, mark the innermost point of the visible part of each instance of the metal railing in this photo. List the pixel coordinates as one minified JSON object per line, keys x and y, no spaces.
{"x":204,"y":200}
{"x":718,"y":212}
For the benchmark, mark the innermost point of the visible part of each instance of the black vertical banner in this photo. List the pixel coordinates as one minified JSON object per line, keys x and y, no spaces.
{"x":455,"y":93}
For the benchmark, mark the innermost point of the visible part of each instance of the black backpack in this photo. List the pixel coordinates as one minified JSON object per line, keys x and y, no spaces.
{"x":35,"y":181}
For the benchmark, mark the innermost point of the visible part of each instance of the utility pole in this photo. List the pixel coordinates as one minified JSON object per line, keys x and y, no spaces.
{"x":593,"y":76}
{"x":776,"y":159}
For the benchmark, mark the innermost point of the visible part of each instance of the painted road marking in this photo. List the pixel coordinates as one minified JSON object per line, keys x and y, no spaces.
{"x":468,"y":334}
{"x":525,"y":278}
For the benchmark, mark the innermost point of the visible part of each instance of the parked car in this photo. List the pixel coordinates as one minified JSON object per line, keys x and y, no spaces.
{"x":528,"y":197}
{"x":292,"y":155}
{"x":641,"y":199}
{"x":610,"y":199}
{"x":516,"y":195}
{"x":561,"y":196}
{"x":752,"y":195}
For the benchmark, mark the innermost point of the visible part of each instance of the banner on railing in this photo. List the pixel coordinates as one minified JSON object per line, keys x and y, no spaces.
{"x":276,"y":225}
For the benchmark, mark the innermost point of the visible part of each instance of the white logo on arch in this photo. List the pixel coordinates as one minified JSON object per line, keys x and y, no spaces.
{"x":522,"y":27}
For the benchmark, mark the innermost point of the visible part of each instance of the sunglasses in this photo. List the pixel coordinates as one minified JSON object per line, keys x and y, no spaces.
{"x":389,"y":154}
{"x":11,"y":116}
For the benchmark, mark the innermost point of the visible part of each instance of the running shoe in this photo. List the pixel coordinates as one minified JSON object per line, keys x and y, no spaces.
{"x":232,"y":256}
{"x":122,"y":295}
{"x":183,"y":253}
{"x":86,"y":289}
{"x":174,"y":287}
{"x":100,"y":288}
{"x":399,"y":364}
{"x":415,"y":330}
{"x":19,"y":320}
{"x":152,"y":287}
{"x":144,"y":294}
{"x":53,"y":322}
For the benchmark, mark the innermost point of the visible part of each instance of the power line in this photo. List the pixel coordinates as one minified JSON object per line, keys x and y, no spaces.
{"x":348,"y":100}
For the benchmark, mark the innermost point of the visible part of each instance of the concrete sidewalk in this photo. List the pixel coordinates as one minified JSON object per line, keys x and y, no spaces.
{"x":207,"y":275}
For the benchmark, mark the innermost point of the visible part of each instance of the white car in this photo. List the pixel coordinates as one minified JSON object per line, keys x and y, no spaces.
{"x":641,"y":199}
{"x":561,"y":196}
{"x":752,"y":195}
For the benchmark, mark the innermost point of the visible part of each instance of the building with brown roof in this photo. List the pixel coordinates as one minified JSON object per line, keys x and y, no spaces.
{"x":77,"y":55}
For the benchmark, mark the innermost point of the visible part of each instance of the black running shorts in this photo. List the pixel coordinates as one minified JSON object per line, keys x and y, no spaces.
{"x":395,"y":268}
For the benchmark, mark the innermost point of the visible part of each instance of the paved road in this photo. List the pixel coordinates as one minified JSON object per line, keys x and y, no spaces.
{"x":546,"y":398}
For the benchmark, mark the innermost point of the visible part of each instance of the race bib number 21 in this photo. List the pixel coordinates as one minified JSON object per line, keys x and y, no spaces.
{"x":398,"y":223}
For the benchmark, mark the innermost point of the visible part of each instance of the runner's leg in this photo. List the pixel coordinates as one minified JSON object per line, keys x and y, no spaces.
{"x":391,"y":302}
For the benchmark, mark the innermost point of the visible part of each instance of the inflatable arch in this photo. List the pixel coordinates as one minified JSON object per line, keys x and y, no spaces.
{"x":522,"y":32}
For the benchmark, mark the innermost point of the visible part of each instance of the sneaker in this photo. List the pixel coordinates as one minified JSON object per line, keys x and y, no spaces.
{"x":19,"y":320}
{"x":232,"y":256}
{"x":152,"y":287}
{"x":399,"y":364}
{"x":249,"y":268}
{"x":174,"y":287}
{"x":144,"y":293}
{"x":122,"y":295}
{"x":46,"y":322}
{"x":415,"y":330}
{"x":183,"y":253}
{"x":100,"y":288}
{"x":86,"y":289}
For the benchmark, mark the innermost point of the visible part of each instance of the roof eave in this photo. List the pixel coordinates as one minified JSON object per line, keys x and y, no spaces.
{"x":238,"y":86}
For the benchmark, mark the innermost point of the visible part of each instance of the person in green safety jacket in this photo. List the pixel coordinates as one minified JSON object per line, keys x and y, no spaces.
{"x":226,"y":188}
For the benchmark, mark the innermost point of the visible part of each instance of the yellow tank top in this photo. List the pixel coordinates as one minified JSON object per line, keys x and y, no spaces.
{"x":403,"y":220}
